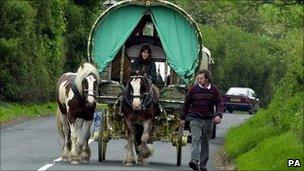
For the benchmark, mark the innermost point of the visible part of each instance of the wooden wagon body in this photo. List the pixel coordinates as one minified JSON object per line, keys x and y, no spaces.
{"x":176,"y":43}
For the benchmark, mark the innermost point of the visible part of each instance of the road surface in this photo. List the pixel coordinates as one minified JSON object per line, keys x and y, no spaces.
{"x":35,"y":145}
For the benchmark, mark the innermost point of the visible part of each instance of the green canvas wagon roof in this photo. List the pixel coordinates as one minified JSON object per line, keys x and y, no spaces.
{"x":178,"y":33}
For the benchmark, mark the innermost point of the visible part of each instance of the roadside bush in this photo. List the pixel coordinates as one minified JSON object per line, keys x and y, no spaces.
{"x":23,"y":77}
{"x":286,"y":109}
{"x":281,"y":124}
{"x":80,"y":17}
{"x":31,"y":48}
{"x":242,"y":59}
{"x":284,"y":114}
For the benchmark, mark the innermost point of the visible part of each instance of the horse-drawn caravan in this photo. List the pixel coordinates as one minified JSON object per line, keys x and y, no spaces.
{"x":135,"y":109}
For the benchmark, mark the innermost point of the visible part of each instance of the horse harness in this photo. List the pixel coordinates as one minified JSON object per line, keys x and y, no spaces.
{"x":79,"y":96}
{"x":146,"y":97}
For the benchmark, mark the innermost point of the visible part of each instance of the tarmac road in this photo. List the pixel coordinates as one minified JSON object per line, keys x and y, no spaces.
{"x":35,"y":145}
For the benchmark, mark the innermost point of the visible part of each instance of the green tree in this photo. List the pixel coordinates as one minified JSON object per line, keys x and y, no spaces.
{"x":249,"y":38}
{"x":22,"y":76}
{"x":241,"y":59}
{"x":31,"y":48}
{"x":80,"y":16}
{"x":50,"y":28}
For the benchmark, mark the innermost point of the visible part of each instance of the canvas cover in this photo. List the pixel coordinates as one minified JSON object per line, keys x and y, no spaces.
{"x":178,"y":33}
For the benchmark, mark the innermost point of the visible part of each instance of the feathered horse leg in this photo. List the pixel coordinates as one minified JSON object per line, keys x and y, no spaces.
{"x":145,"y":150}
{"x":131,"y":157}
{"x":64,"y":131}
{"x":76,"y":146}
{"x":84,"y":138}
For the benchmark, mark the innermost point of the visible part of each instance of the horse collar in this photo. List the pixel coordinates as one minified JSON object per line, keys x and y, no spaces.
{"x":76,"y":92}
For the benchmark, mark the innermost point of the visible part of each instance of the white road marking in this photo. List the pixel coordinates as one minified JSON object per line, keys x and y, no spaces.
{"x":47,"y":166}
{"x":58,"y":159}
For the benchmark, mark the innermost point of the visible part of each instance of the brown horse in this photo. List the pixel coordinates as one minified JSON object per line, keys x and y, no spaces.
{"x":139,"y":105}
{"x":76,"y":106}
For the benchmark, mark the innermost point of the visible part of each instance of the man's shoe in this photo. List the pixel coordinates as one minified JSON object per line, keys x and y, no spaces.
{"x":203,"y":168}
{"x":193,"y":165}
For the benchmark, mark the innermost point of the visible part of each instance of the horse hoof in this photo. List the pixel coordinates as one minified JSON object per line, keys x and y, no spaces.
{"x":142,"y":162}
{"x":85,"y":156}
{"x":85,"y":161}
{"x":65,"y":159}
{"x":128,"y":164}
{"x":144,"y":151}
{"x":145,"y":163}
{"x":74,"y":162}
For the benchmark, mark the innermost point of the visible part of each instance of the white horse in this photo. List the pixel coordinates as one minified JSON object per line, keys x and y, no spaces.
{"x":76,"y":106}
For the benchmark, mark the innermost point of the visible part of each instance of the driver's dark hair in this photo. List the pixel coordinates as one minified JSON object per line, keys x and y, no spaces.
{"x":206,"y":73}
{"x":145,"y":47}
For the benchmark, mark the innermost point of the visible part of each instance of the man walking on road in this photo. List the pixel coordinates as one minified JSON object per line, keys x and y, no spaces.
{"x":199,"y":106}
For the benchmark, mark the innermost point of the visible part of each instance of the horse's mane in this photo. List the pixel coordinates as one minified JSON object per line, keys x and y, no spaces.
{"x":83,"y":71}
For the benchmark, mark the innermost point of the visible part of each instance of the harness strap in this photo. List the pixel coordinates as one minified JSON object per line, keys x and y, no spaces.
{"x":127,"y":98}
{"x":138,"y":96}
{"x":147,"y":97}
{"x":88,"y":94}
{"x":76,"y":92}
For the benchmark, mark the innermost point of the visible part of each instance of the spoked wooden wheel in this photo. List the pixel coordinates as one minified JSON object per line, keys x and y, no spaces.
{"x":213,"y":131}
{"x":179,"y":146}
{"x":102,"y":148}
{"x":179,"y":155}
{"x":102,"y":143}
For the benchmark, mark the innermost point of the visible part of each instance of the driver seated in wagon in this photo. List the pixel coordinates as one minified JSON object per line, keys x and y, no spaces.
{"x":145,"y":64}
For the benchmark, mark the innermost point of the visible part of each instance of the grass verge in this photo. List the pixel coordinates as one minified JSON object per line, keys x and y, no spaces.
{"x":14,"y":111}
{"x":272,"y":154}
{"x":223,"y":161}
{"x":267,"y":140}
{"x":11,"y":111}
{"x":243,"y":138}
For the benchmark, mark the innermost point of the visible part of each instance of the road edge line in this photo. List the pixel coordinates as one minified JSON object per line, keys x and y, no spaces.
{"x":48,"y":165}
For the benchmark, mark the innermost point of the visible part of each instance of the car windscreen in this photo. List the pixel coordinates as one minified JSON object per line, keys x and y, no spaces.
{"x":238,"y":92}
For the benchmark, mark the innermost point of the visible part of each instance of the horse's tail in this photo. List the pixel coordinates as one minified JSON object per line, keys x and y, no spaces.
{"x":59,"y":123}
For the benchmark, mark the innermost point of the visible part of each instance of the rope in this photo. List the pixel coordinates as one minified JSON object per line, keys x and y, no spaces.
{"x":96,"y":121}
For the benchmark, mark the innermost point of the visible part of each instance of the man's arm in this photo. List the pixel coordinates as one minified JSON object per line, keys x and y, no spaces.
{"x":218,"y":107}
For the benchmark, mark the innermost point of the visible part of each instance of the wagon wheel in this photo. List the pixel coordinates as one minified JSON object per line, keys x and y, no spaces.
{"x":102,"y":141}
{"x":179,"y":146}
{"x":179,"y":155}
{"x":213,"y":131}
